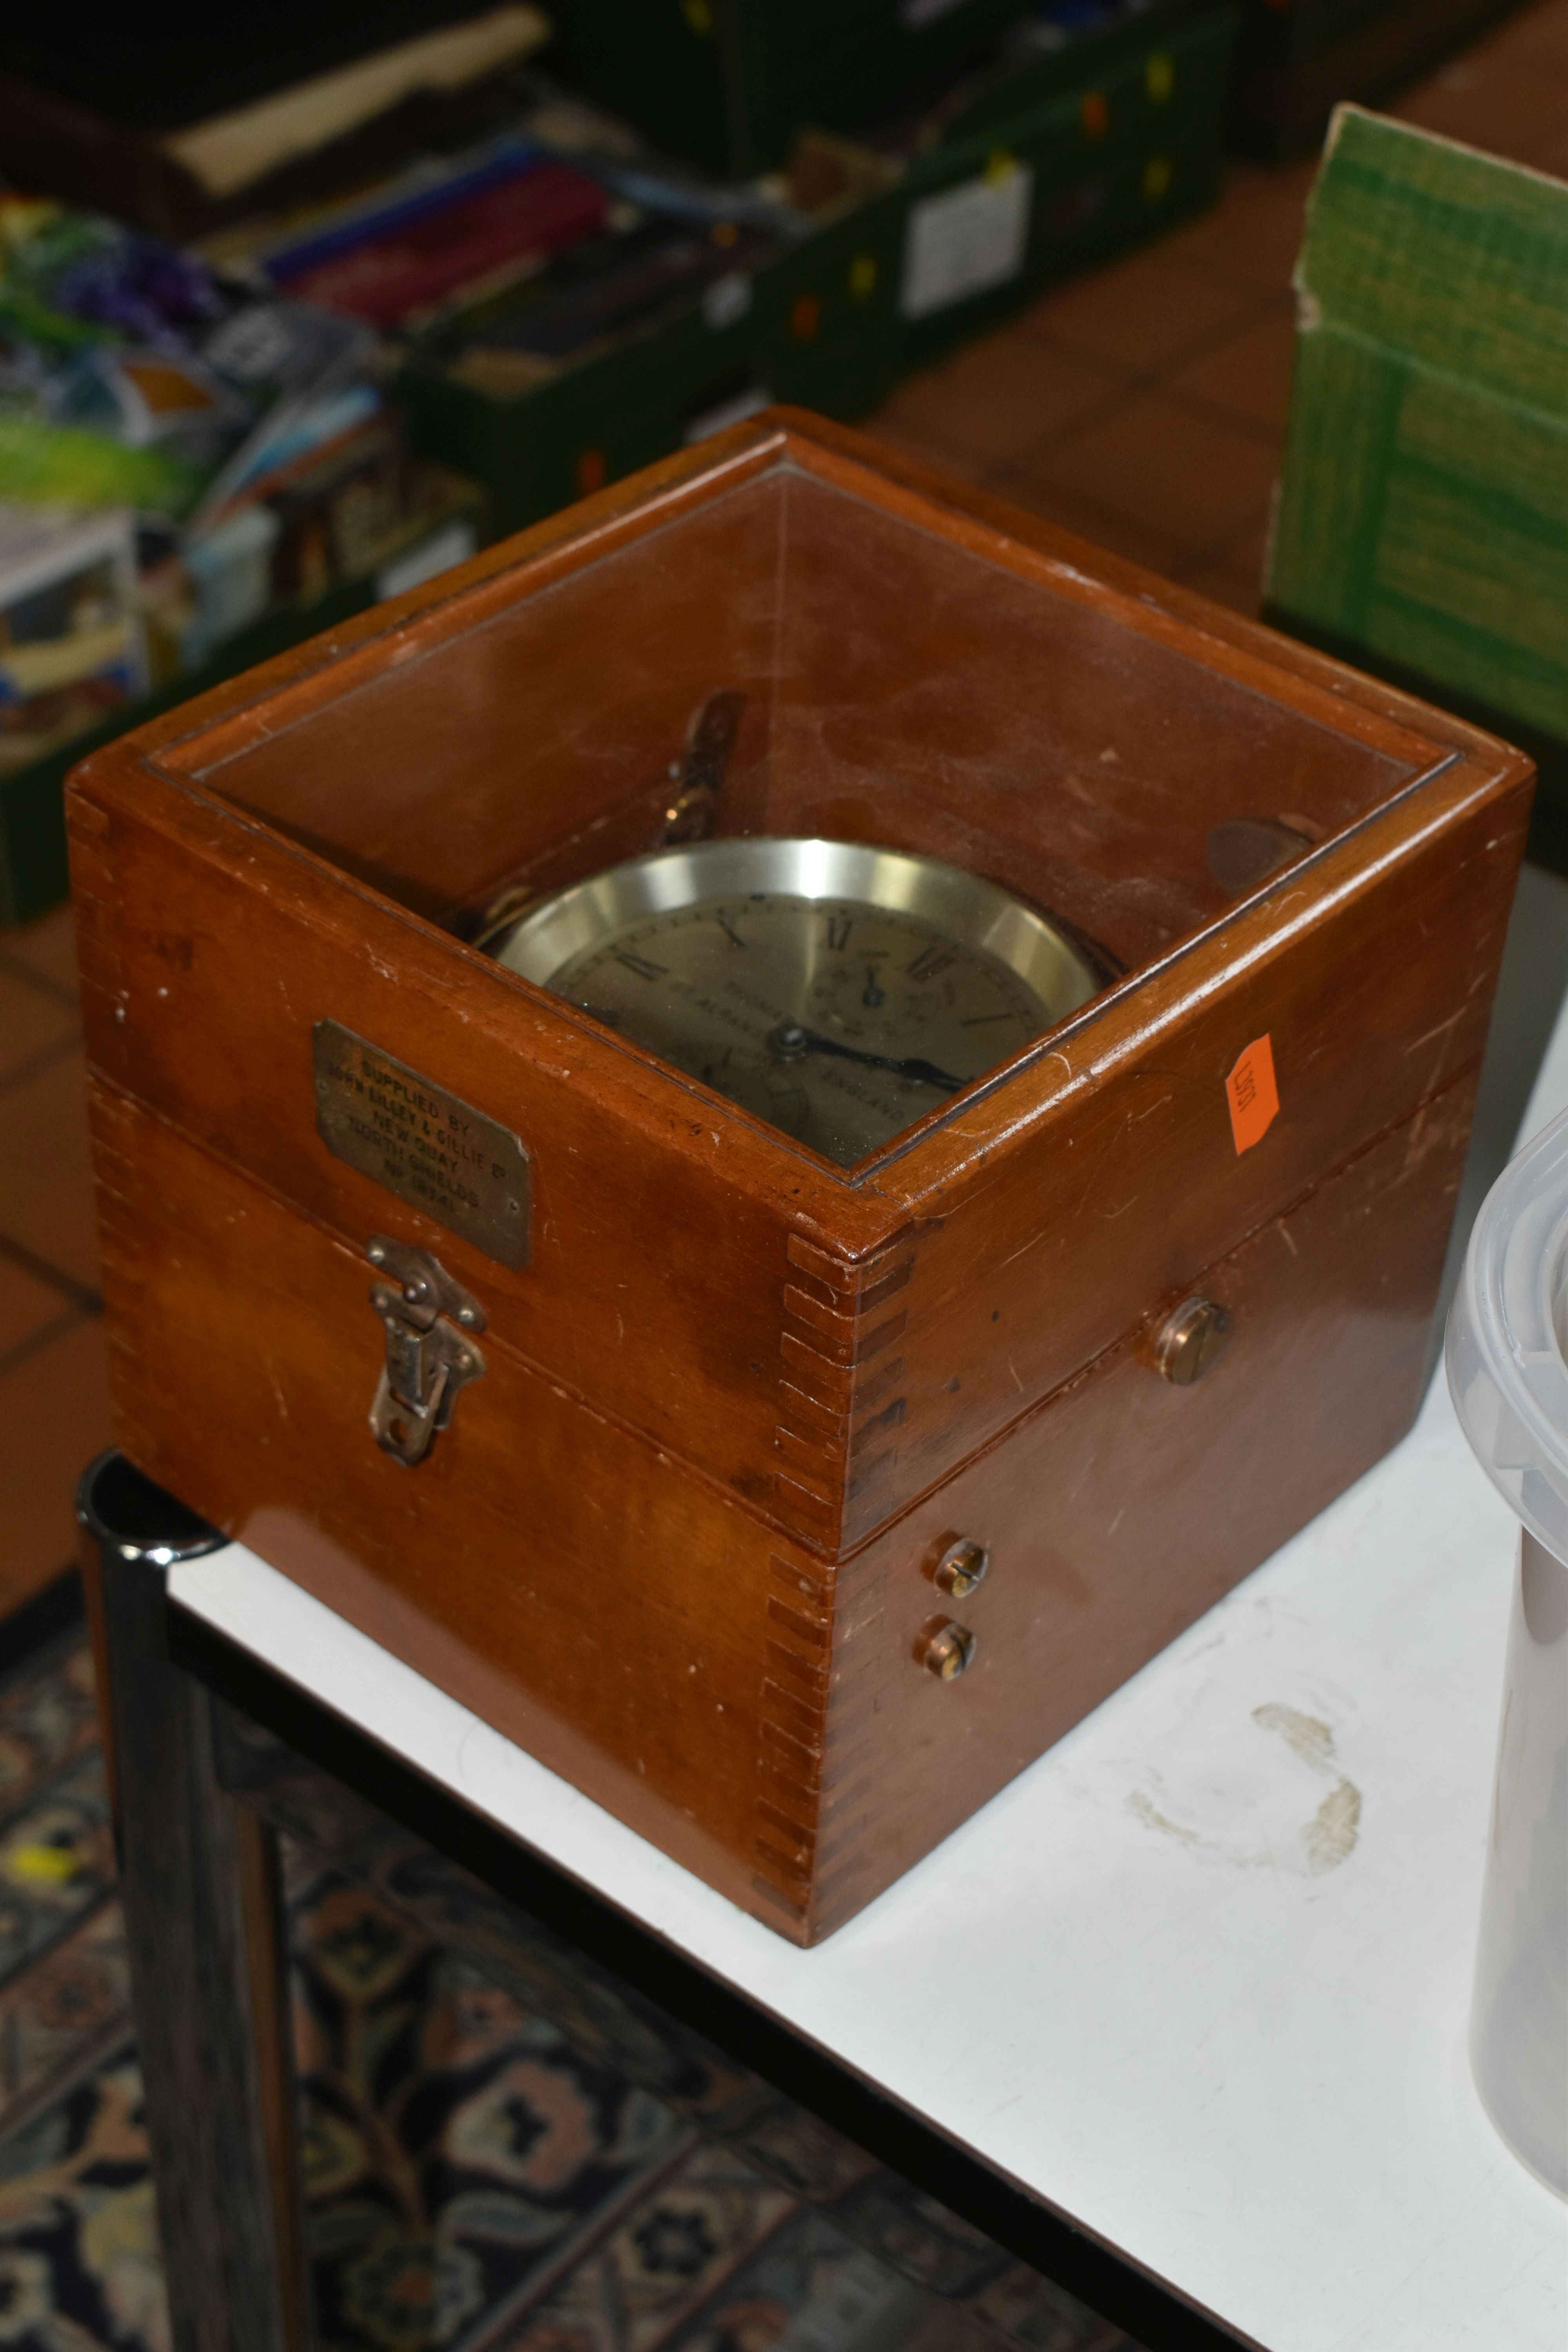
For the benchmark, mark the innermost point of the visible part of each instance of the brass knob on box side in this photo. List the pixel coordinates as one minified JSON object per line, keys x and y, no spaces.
{"x":962,"y":1567}
{"x":1191,"y":1340}
{"x":947,"y":1650}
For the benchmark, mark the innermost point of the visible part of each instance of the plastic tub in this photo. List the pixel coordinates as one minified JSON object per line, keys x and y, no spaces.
{"x":1507,"y":1370}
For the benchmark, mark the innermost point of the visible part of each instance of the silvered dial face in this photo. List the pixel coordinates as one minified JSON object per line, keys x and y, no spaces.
{"x":841,"y":1017}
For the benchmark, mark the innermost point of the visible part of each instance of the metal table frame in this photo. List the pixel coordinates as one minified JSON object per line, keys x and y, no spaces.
{"x":187,"y":1712}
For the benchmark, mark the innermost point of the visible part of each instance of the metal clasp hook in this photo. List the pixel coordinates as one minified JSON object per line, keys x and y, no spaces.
{"x":429,"y":1321}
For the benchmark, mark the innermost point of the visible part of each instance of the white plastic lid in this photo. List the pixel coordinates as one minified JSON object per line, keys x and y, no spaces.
{"x":1507,"y":1369}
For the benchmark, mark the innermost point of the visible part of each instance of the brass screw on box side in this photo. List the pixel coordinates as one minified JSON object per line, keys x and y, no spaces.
{"x":1191,"y":1340}
{"x":962,"y":1567}
{"x":948,"y":1651}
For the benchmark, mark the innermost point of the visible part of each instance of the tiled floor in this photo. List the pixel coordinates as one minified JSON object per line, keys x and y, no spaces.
{"x":54,"y":1390}
{"x":1143,"y":407}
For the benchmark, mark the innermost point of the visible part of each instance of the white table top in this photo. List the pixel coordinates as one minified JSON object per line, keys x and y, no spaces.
{"x":1215,"y":1947}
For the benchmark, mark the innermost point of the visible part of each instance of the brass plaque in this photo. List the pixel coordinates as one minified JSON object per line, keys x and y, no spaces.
{"x":436,"y":1153}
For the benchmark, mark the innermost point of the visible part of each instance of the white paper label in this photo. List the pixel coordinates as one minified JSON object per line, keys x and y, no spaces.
{"x":960,"y":244}
{"x":727,"y":301}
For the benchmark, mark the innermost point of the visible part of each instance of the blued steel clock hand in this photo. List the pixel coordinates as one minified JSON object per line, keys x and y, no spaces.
{"x":792,"y":1038}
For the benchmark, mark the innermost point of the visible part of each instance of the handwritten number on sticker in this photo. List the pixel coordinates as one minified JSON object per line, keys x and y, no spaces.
{"x":1252,"y":1095}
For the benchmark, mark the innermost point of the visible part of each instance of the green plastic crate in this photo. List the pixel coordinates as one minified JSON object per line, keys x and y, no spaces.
{"x":1119,"y":135}
{"x":1101,"y":147}
{"x":728,"y":82}
{"x":813,"y":325}
{"x":1423,"y":526}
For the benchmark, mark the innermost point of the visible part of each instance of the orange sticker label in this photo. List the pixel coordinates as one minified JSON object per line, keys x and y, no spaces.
{"x":1252,"y":1094}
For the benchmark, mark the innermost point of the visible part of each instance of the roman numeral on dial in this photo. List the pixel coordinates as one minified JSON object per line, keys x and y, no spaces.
{"x":641,"y":965}
{"x":933,"y":957}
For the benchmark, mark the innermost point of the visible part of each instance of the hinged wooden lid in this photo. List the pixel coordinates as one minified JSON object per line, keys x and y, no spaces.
{"x":921,"y":668}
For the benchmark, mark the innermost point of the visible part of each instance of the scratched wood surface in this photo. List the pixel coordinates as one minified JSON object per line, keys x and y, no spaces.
{"x":811,"y":1358}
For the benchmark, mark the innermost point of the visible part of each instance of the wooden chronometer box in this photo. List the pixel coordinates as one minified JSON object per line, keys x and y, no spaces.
{"x":682,"y":1540}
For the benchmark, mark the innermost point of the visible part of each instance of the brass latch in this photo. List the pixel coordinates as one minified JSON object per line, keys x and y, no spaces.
{"x":430,"y":1354}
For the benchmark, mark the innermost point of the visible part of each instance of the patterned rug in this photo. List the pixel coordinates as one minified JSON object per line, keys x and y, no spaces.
{"x":473,"y":2183}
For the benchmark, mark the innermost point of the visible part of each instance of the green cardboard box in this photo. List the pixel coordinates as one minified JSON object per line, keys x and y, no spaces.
{"x":1423,"y":525}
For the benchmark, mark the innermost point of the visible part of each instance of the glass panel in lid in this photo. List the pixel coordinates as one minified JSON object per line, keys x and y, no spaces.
{"x":785,"y":659}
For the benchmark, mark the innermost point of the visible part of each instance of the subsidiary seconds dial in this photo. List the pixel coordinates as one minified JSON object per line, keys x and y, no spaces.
{"x":838,"y":991}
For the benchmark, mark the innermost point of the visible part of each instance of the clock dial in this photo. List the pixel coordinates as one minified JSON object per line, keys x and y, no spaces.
{"x":839,"y":1018}
{"x":839,"y":1021}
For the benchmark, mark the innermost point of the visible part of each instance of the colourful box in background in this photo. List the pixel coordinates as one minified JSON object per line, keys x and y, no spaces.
{"x":443,"y":523}
{"x":72,"y":647}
